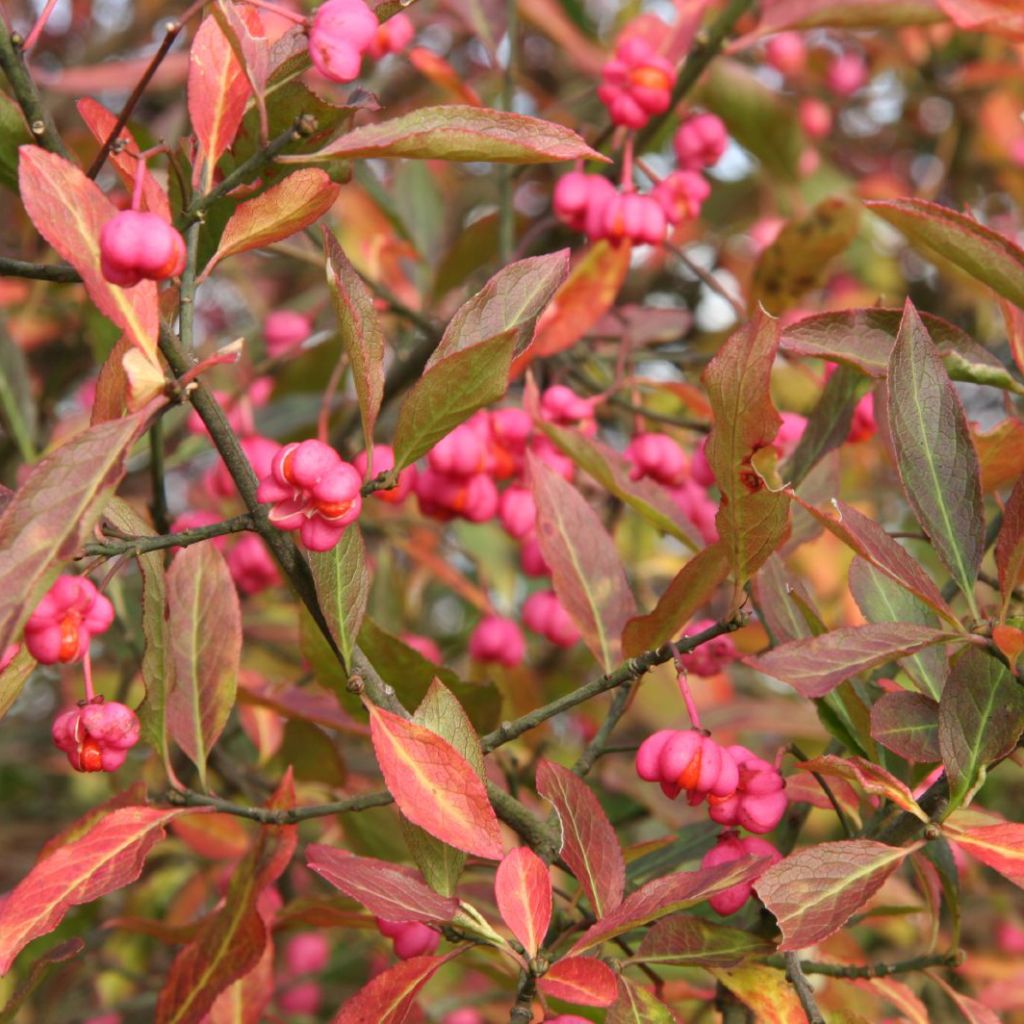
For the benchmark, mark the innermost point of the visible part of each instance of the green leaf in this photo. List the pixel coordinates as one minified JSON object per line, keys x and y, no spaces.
{"x":908,"y":725}
{"x":449,"y":393}
{"x":361,"y":337}
{"x":752,"y":521}
{"x":935,"y":230}
{"x":460,"y":133}
{"x":13,"y":679}
{"x":412,"y":675}
{"x":441,"y":712}
{"x":586,"y":569}
{"x":883,"y":600}
{"x":691,"y":588}
{"x":981,"y":715}
{"x":689,"y":941}
{"x":638,"y":1005}
{"x":13,"y":133}
{"x":935,"y":456}
{"x":852,"y":14}
{"x":204,"y":626}
{"x":512,"y":300}
{"x":342,"y":584}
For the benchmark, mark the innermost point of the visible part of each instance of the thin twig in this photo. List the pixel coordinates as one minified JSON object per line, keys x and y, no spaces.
{"x":40,"y":123}
{"x":803,"y":989}
{"x":58,"y":273}
{"x":875,"y":970}
{"x":182,"y":539}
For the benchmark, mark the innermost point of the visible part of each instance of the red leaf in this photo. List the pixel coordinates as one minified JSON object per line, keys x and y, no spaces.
{"x":522,"y":887}
{"x":389,"y":997}
{"x":818,"y":664}
{"x":1010,"y":544}
{"x":218,"y":92}
{"x":872,"y":778}
{"x":285,"y":208}
{"x":1001,"y":847}
{"x":589,"y":844}
{"x":874,"y":545}
{"x":387,"y":890}
{"x":109,"y":856}
{"x":458,"y":133}
{"x":690,"y":941}
{"x":361,"y":335}
{"x":752,"y":521}
{"x":586,"y":569}
{"x":69,"y":211}
{"x":214,"y":836}
{"x":245,"y":1000}
{"x":813,"y":892}
{"x":434,"y":786}
{"x":581,"y":979}
{"x":908,"y":725}
{"x":54,"y":511}
{"x":205,"y":640}
{"x":973,"y":1011}
{"x":100,"y":122}
{"x":667,"y":895}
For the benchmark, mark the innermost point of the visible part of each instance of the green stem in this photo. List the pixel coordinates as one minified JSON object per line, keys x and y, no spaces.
{"x":40,"y":123}
{"x":140,"y":545}
{"x":158,"y":505}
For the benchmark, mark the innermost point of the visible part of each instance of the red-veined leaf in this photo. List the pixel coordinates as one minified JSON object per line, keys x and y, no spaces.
{"x":387,"y":890}
{"x":38,"y":972}
{"x":874,"y":545}
{"x":245,"y":1000}
{"x":586,"y":569}
{"x":1010,"y":545}
{"x":973,"y":1011}
{"x":204,"y":637}
{"x":590,"y":846}
{"x":512,"y":300}
{"x":583,"y":298}
{"x":872,"y":778}
{"x":342,"y":583}
{"x":389,"y":997}
{"x":981,"y":715}
{"x":691,"y":587}
{"x":109,"y":856}
{"x":361,"y":337}
{"x":752,"y":521}
{"x":694,"y":942}
{"x":218,"y":92}
{"x":54,"y":511}
{"x":638,"y":1005}
{"x":907,"y":724}
{"x":522,"y":888}
{"x":459,"y":133}
{"x":1001,"y":847}
{"x":434,"y":786}
{"x":934,"y":453}
{"x":818,"y":664}
{"x":69,"y":211}
{"x":231,"y":941}
{"x":765,"y":991}
{"x":984,"y":254}
{"x":285,"y":208}
{"x":667,"y":895}
{"x":813,"y":892}
{"x":580,"y":979}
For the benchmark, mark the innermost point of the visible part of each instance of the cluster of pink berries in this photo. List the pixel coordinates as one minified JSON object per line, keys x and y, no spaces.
{"x":741,"y":790}
{"x":343,"y":31}
{"x":410,"y":938}
{"x":305,"y":954}
{"x":312,"y":490}
{"x":97,"y":735}
{"x":136,"y":245}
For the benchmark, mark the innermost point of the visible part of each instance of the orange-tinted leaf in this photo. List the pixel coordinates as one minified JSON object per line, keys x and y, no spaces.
{"x":1010,"y":544}
{"x":581,"y":979}
{"x":973,"y":1011}
{"x":691,"y":587}
{"x":814,"y":891}
{"x":667,"y":895}
{"x":752,"y":521}
{"x":218,"y":91}
{"x":783,"y":14}
{"x":69,"y":211}
{"x":818,"y":664}
{"x":361,"y":336}
{"x":112,"y":385}
{"x":765,"y":991}
{"x":245,"y":1000}
{"x":54,"y":511}
{"x":586,"y":569}
{"x":522,"y":887}
{"x":214,"y":836}
{"x":442,"y":74}
{"x":204,"y":638}
{"x":590,"y":846}
{"x":1000,"y":453}
{"x":285,"y":208}
{"x":907,"y":724}
{"x":389,"y":997}
{"x":585,"y":296}
{"x":1001,"y":847}
{"x":434,"y":786}
{"x":1002,"y":17}
{"x":390,"y":891}
{"x":100,"y":122}
{"x":872,"y":778}
{"x":459,"y":133}
{"x":109,"y":856}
